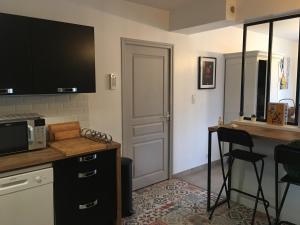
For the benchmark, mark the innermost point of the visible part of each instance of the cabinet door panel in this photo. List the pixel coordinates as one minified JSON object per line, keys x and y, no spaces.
{"x":63,"y":57}
{"x":15,"y":63}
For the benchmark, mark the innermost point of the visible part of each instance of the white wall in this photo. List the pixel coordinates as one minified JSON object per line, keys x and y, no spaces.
{"x":104,"y":107}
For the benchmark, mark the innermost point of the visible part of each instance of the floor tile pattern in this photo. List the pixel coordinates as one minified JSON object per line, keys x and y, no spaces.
{"x":176,"y":202}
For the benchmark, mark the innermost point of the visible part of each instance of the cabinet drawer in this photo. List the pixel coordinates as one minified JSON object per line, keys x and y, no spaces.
{"x":80,"y":163}
{"x":95,"y":160}
{"x":87,"y":209}
{"x":94,"y":171}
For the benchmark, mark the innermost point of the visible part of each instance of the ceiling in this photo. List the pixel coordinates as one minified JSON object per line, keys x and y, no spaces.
{"x":163,"y":4}
{"x":287,"y":29}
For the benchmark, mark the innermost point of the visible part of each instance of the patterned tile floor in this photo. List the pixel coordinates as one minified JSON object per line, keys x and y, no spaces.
{"x":176,"y":202}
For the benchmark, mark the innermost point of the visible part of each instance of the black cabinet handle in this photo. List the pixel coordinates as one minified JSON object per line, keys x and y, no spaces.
{"x":88,"y":158}
{"x":67,"y":90}
{"x":6,"y":91}
{"x":88,"y":205}
{"x":87,"y":174}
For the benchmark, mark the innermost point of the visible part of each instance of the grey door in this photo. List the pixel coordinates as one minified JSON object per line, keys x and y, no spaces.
{"x":146,"y":110}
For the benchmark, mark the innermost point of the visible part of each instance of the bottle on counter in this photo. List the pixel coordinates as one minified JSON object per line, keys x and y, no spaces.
{"x":253,"y":118}
{"x":241,"y":118}
{"x":220,"y":121}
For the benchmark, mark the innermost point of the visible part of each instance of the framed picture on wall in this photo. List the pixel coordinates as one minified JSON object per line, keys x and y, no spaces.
{"x":207,"y":72}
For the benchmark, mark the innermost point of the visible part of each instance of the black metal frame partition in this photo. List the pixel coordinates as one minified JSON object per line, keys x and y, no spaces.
{"x":270,"y":22}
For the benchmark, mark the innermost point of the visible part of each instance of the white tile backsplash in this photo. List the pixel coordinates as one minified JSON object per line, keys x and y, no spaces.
{"x":59,"y":108}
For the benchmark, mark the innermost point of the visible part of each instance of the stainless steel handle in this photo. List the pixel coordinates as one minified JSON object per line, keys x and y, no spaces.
{"x":30,"y":134}
{"x":7,"y":91}
{"x":88,"y":205}
{"x":88,"y":158}
{"x":67,"y":90}
{"x":87,"y":174}
{"x":167,"y":116}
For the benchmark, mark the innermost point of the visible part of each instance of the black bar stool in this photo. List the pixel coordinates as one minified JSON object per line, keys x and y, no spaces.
{"x":240,"y":137}
{"x":289,"y":156}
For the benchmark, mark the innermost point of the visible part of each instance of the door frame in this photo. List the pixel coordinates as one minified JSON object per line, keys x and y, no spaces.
{"x":170,"y":48}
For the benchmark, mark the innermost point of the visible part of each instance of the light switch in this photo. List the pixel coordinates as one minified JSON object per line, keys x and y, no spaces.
{"x":112,"y":81}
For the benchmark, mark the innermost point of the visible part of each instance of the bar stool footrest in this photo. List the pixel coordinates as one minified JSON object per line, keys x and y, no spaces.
{"x":267,"y":203}
{"x":218,"y":205}
{"x":286,"y":223}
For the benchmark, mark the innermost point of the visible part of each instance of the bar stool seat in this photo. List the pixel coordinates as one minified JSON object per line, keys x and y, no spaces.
{"x":288,"y":179}
{"x":244,"y":155}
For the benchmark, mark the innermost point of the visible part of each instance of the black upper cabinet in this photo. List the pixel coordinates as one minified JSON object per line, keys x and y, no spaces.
{"x":63,"y":57}
{"x":15,"y":55}
{"x":45,"y":57}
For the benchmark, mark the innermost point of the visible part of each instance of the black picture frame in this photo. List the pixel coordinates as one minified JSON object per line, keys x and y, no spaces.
{"x":207,"y":67}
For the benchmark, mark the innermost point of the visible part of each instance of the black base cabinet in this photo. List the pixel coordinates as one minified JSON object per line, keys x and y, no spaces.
{"x":85,"y":190}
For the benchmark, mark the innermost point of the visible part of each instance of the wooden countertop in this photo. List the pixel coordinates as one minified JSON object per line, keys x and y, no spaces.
{"x":267,"y":132}
{"x":57,"y":151}
{"x":81,"y":145}
{"x":28,"y":159}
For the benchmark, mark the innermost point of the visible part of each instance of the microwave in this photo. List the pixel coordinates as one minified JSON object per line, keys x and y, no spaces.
{"x":22,"y":132}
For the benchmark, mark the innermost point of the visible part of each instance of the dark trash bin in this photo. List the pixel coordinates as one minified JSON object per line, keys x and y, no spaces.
{"x":126,"y":176}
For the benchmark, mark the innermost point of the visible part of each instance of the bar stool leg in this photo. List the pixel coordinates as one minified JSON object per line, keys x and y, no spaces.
{"x":219,"y":195}
{"x":223,"y":174}
{"x":276,"y":192}
{"x":255,"y":205}
{"x":260,"y":191}
{"x":282,"y":203}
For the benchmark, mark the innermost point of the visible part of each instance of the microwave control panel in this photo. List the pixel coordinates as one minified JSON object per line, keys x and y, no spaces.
{"x":36,"y":134}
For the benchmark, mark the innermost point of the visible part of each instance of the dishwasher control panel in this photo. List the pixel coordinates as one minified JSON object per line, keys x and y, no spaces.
{"x":27,"y":180}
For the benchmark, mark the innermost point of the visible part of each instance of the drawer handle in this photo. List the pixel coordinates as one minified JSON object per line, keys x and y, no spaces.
{"x":67,"y":90}
{"x":88,"y":158}
{"x":87,"y":174}
{"x":88,"y":205}
{"x":7,"y":91}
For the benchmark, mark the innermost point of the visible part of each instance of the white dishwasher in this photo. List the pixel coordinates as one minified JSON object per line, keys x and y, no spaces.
{"x":26,"y":197}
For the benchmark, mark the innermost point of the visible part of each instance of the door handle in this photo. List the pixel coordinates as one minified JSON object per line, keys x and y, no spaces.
{"x":88,"y":205}
{"x":7,"y":91}
{"x":13,"y":184}
{"x":87,"y":174}
{"x":88,"y":158}
{"x":30,"y":134}
{"x":167,"y":116}
{"x":67,"y":90}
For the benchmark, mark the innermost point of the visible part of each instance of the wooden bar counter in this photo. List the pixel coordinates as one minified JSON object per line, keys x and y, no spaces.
{"x":265,"y":138}
{"x":262,"y":130}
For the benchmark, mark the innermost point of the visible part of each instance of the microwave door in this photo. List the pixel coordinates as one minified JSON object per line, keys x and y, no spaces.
{"x":13,"y":137}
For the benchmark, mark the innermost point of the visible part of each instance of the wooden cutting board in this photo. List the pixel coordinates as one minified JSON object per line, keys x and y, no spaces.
{"x":78,"y":146}
{"x":62,"y":131}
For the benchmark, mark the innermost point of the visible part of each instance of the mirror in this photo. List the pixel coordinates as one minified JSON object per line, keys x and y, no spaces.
{"x":270,"y":67}
{"x":284,"y":64}
{"x":255,"y":70}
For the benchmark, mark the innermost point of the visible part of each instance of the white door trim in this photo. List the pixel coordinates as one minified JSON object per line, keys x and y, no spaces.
{"x":170,"y":47}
